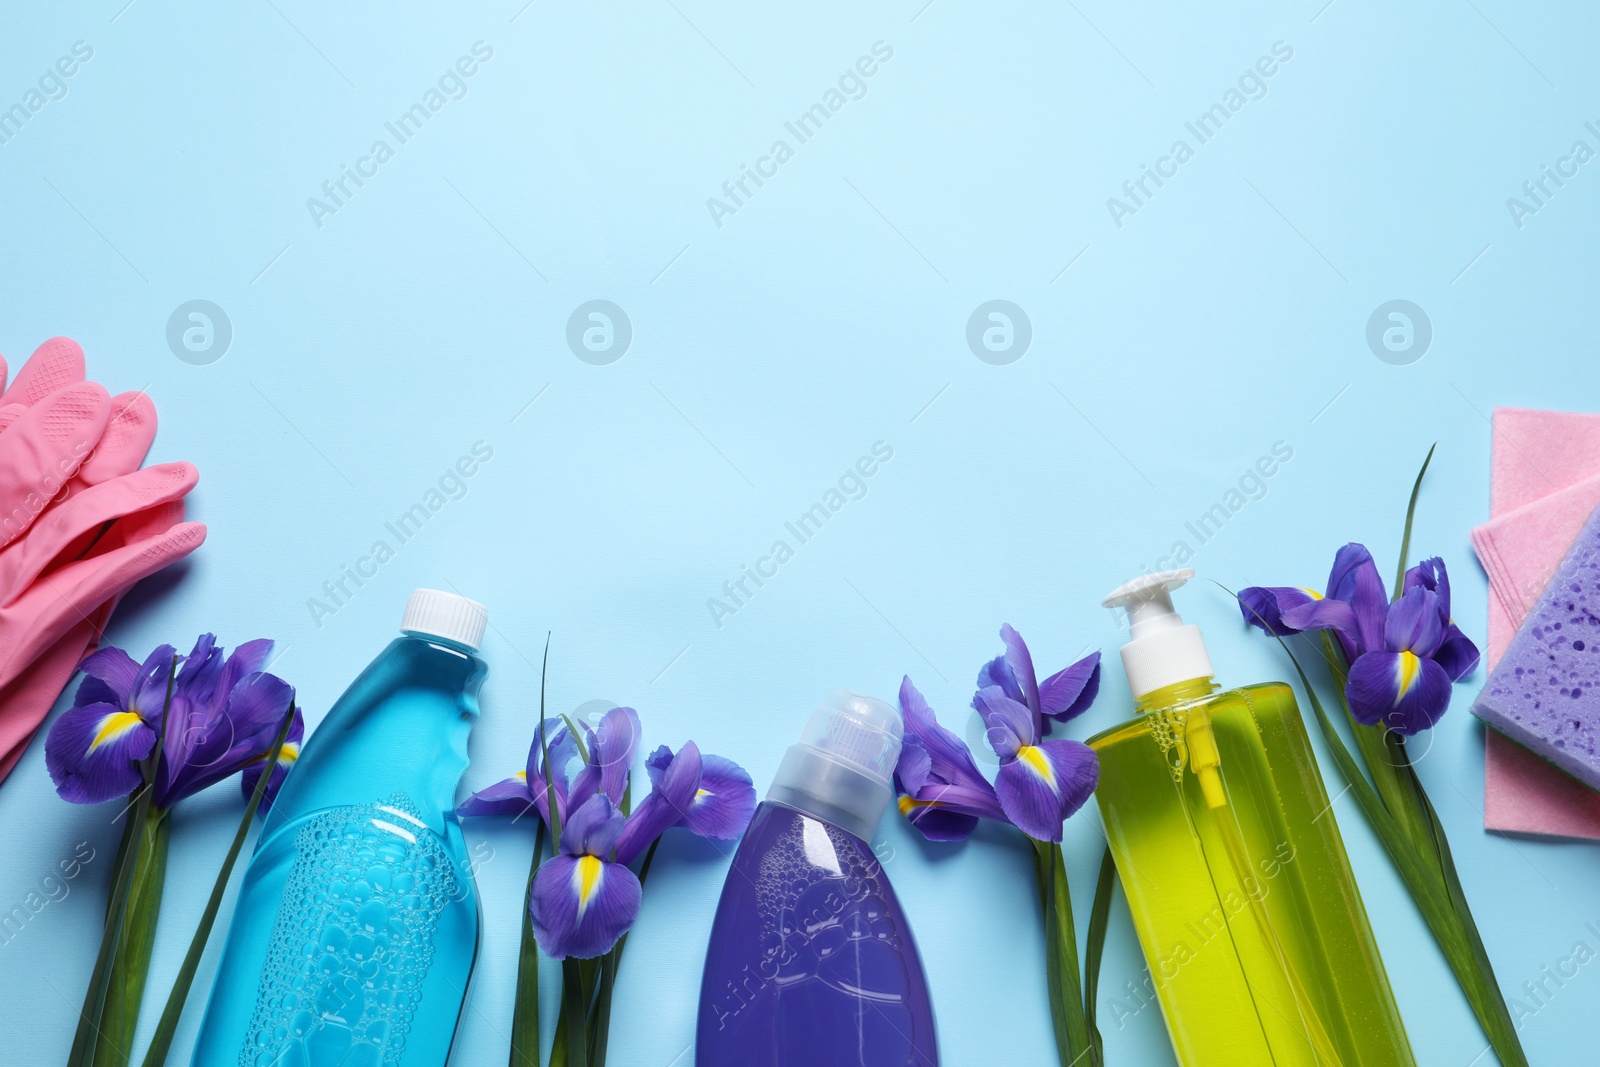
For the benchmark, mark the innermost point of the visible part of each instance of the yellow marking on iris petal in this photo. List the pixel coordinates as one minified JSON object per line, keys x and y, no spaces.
{"x":700,"y":796}
{"x":521,"y":776}
{"x":1409,"y":670}
{"x":910,"y":804}
{"x":586,"y":879}
{"x":113,"y":727}
{"x":1312,"y":593}
{"x":288,"y":753}
{"x":1034,"y":759}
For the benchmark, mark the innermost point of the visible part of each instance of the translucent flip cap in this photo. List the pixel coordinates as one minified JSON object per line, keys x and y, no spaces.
{"x":842,"y":766}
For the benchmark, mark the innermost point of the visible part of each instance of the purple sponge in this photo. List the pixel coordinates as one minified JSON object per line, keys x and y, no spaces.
{"x":1545,"y":691}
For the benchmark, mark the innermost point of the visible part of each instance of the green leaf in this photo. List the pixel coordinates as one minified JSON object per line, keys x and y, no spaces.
{"x":525,"y":1049}
{"x":1498,"y":1016}
{"x":600,"y":1026}
{"x":577,"y":737}
{"x":1411,"y":513}
{"x":130,"y":967}
{"x":161,"y":1044}
{"x":1454,"y":931}
{"x":1385,"y":766}
{"x":1073,"y":1046}
{"x":575,"y":1012}
{"x":1094,"y":949}
{"x":544,"y":754}
{"x":92,"y":1015}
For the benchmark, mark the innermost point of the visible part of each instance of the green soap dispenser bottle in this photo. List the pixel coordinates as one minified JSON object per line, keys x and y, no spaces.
{"x":1257,"y":942}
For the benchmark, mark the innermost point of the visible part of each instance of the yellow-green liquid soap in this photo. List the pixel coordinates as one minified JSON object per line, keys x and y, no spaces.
{"x":1257,"y":942}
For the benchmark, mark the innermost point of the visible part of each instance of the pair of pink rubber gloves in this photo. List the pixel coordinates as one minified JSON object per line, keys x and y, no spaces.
{"x":80,"y":523}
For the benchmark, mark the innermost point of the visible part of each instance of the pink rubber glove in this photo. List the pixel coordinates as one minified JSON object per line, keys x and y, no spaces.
{"x":69,"y":556}
{"x":26,"y":702}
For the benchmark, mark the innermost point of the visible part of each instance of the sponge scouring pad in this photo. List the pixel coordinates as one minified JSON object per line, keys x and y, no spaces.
{"x":1545,"y":691}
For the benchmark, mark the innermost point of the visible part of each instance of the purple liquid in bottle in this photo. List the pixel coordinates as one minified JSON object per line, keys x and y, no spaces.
{"x":812,"y":962}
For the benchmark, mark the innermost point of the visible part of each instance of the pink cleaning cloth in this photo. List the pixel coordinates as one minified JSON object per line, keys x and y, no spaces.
{"x":1535,"y":455}
{"x":1521,"y":549}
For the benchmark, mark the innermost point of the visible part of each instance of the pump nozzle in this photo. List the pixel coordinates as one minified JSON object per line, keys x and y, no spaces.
{"x":1148,"y":601}
{"x":1161,"y":650}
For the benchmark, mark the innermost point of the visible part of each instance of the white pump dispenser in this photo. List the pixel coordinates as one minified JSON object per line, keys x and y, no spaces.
{"x":1161,"y":650}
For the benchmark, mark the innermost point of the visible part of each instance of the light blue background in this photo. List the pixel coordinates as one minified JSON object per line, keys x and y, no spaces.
{"x":829,"y":312}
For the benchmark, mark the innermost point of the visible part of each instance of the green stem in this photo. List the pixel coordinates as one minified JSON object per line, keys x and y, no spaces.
{"x":88,"y":1039}
{"x":161,"y":1043}
{"x":130,"y":965}
{"x":600,"y":1027}
{"x":525,"y":1013}
{"x":1073,"y":1046}
{"x":1437,"y":896}
{"x":577,"y":990}
{"x":1384,"y":756}
{"x":1099,"y":921}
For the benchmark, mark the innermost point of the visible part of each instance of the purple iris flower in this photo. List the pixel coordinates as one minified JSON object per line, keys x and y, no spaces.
{"x":583,"y":902}
{"x":1041,"y":780}
{"x":93,"y":751}
{"x":224,"y":716}
{"x":587,"y":896}
{"x":1403,"y":654}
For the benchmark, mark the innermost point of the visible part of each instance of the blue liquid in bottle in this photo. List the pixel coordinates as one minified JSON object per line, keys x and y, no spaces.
{"x":356,"y":927}
{"x":812,"y":962}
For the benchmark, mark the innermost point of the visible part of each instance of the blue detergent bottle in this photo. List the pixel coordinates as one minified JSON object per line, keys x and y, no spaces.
{"x":356,"y":927}
{"x":811,"y":961}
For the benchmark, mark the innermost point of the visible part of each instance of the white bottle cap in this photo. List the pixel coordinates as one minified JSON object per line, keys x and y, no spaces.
{"x":842,"y":768}
{"x":435,"y":613}
{"x":1161,"y":650}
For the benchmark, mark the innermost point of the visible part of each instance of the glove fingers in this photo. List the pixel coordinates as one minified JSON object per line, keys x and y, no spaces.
{"x":25,"y":703}
{"x":86,"y":513}
{"x":128,"y":435}
{"x":124,"y":531}
{"x":9,"y":413}
{"x":70,"y":595}
{"x":43,"y":449}
{"x":53,"y":366}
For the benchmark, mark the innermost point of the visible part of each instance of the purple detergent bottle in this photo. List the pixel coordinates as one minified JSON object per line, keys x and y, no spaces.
{"x":812,"y":963}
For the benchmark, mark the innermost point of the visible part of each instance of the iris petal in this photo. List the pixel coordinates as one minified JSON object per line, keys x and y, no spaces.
{"x":1069,"y":692}
{"x":1322,"y":615}
{"x":509,"y":797}
{"x":206,"y":744}
{"x":1011,"y":725}
{"x":612,"y":746}
{"x":998,"y":672}
{"x":666,"y":806}
{"x":288,"y":755}
{"x":1045,"y":783}
{"x":1354,"y":579}
{"x":581,"y":905}
{"x":1430,"y":574}
{"x":149,"y":694}
{"x":941,"y":792}
{"x":92,"y":752}
{"x":1457,"y":654}
{"x":1413,"y":623}
{"x":1021,"y":662}
{"x":914,"y":768}
{"x":1402,"y":690}
{"x":592,"y":828}
{"x":949,"y":758}
{"x":1264,"y":606}
{"x":725,"y":801}
{"x":113,"y":668}
{"x":563,"y":749}
{"x":937,"y":821}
